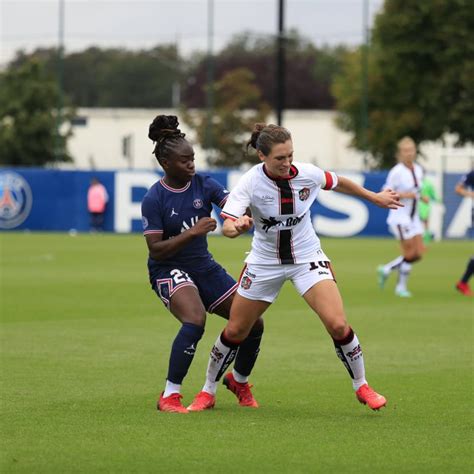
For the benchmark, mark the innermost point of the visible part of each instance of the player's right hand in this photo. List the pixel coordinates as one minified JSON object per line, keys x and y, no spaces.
{"x":243,"y":224}
{"x":203,"y":226}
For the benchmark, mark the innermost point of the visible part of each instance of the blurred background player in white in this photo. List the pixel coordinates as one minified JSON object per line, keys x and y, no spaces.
{"x":279,"y":193}
{"x":465,"y":188}
{"x":405,"y":178}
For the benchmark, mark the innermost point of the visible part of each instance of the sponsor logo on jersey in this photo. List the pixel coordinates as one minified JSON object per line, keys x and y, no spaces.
{"x":197,"y":203}
{"x":293,"y":220}
{"x":269,"y":223}
{"x":144,"y":222}
{"x":187,"y":226}
{"x":246,"y":282}
{"x":272,"y":222}
{"x":173,"y":212}
{"x":267,"y":199}
{"x":303,"y":194}
{"x":16,"y":200}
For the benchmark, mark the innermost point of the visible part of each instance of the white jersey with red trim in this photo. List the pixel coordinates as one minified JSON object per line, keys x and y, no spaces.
{"x":281,"y":212}
{"x":404,"y":180}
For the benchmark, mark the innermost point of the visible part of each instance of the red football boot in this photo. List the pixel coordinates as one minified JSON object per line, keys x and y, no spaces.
{"x":171,"y":404}
{"x":202,"y":401}
{"x":464,"y":288}
{"x":370,"y":397}
{"x":241,"y":390}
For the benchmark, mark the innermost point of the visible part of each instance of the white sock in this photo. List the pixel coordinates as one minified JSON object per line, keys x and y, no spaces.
{"x":210,"y":387}
{"x":239,"y":377}
{"x":352,"y":357}
{"x":403,"y":274}
{"x":390,"y":266}
{"x":171,"y":388}
{"x":221,"y":356}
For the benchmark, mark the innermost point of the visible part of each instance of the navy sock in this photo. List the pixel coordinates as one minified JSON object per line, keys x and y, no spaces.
{"x":248,"y":352}
{"x":182,"y":351}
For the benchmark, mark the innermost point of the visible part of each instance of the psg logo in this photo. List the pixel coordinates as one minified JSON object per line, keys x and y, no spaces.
{"x":197,"y":203}
{"x":303,"y":194}
{"x":15,"y":200}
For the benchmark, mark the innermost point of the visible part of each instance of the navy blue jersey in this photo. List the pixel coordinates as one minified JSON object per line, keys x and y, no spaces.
{"x":468,"y":180}
{"x":170,"y":211}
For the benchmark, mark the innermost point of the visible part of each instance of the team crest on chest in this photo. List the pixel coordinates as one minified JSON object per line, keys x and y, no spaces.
{"x":197,"y":203}
{"x":303,"y":194}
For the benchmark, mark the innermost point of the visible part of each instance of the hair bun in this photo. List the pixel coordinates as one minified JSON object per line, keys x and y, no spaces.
{"x":258,"y":127}
{"x":164,"y":126}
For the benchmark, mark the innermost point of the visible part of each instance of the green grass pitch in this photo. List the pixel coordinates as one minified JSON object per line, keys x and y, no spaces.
{"x":85,"y":346}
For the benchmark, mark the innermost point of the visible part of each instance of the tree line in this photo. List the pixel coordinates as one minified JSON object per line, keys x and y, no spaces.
{"x":149,"y":78}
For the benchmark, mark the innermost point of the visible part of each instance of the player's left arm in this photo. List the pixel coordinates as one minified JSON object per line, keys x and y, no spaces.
{"x":386,"y":198}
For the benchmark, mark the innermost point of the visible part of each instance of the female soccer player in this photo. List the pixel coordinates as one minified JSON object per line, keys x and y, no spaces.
{"x":465,"y":188}
{"x":428,"y":196}
{"x":285,"y":247}
{"x":405,"y":178}
{"x":176,"y":220}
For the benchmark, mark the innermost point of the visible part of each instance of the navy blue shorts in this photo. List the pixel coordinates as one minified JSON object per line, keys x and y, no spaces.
{"x":213,"y":283}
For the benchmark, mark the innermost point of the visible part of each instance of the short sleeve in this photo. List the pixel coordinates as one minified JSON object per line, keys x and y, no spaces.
{"x":217,"y":193}
{"x":392,"y":181}
{"x":330,"y":180}
{"x":151,"y":218}
{"x":325,"y":179}
{"x":239,"y":199}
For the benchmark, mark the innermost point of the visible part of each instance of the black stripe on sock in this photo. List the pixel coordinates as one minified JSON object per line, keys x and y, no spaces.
{"x":228,"y":359}
{"x":342,"y":357}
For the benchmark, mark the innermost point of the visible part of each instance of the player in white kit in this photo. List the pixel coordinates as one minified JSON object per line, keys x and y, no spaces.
{"x":285,"y":246}
{"x":405,"y":178}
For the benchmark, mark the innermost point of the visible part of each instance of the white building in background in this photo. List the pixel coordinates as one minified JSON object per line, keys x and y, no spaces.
{"x":100,"y":136}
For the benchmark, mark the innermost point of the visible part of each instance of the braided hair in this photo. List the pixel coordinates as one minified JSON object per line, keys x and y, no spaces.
{"x":265,"y":136}
{"x":165,"y":134}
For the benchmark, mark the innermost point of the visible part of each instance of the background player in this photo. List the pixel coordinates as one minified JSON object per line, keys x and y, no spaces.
{"x":176,"y":220}
{"x":405,"y":178}
{"x":428,"y":196}
{"x":465,"y":188}
{"x":285,"y":247}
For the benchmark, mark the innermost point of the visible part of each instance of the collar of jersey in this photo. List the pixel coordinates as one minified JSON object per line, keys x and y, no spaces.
{"x":293,"y":174}
{"x":412,"y":167}
{"x":174,"y":190}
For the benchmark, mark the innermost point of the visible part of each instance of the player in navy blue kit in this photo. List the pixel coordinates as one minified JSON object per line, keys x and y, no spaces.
{"x":176,"y":220}
{"x":465,"y":188}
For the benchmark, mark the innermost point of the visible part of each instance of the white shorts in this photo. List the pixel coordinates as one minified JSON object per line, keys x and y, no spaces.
{"x":263,"y":282}
{"x":406,"y":230}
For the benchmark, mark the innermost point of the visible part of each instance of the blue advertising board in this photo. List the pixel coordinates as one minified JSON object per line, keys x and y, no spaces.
{"x":53,"y":200}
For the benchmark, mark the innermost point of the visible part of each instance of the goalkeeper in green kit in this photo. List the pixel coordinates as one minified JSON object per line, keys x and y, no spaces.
{"x":428,"y":195}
